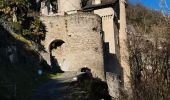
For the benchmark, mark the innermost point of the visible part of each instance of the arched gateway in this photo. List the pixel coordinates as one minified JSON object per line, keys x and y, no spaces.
{"x":55,"y":49}
{"x":75,"y":41}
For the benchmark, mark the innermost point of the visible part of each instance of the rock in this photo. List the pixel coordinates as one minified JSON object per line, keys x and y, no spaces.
{"x":113,"y":84}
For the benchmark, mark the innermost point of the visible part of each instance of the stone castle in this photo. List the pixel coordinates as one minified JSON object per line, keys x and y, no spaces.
{"x":87,"y":33}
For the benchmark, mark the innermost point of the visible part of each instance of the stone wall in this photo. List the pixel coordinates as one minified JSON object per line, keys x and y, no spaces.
{"x":111,"y":44}
{"x":107,"y":15}
{"x":83,"y":45}
{"x":124,"y":54}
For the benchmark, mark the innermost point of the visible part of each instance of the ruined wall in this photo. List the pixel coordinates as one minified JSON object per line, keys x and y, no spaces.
{"x":83,"y":45}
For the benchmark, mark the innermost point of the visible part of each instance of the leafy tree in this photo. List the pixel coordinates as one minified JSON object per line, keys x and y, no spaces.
{"x":33,"y":29}
{"x":16,"y":13}
{"x":10,"y":7}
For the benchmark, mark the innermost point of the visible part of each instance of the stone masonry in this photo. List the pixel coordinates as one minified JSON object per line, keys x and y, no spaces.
{"x":89,"y":33}
{"x":83,"y":45}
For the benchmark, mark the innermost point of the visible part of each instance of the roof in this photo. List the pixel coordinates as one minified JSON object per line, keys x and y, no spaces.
{"x":104,"y":3}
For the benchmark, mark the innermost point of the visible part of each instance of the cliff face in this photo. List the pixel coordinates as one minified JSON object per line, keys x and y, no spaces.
{"x":18,"y":68}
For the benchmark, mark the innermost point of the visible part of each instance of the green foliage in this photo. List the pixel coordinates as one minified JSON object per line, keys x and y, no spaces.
{"x":18,"y":80}
{"x":26,"y":32}
{"x":5,"y":3}
{"x":16,"y":26}
{"x":34,"y":30}
{"x":31,"y":28}
{"x":34,"y":25}
{"x":7,"y":7}
{"x":54,"y":76}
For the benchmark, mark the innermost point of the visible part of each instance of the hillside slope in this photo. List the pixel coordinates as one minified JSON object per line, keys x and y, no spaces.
{"x":149,"y":47}
{"x":19,"y":67}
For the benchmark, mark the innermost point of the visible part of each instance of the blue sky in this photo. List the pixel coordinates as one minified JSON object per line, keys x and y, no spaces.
{"x":153,"y":4}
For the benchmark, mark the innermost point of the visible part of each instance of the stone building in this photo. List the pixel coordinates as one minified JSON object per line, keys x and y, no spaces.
{"x":89,"y":33}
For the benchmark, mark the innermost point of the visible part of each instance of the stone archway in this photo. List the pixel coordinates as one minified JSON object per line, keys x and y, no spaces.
{"x":83,"y":44}
{"x":55,"y":50}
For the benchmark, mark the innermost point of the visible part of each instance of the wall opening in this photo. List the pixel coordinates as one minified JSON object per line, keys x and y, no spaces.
{"x":55,"y":49}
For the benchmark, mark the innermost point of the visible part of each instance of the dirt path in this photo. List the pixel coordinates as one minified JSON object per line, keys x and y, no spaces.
{"x":55,"y":89}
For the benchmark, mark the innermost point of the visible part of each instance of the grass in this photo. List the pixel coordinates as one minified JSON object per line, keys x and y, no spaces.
{"x":54,"y":76}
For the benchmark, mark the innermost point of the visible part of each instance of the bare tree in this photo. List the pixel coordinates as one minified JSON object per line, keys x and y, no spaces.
{"x":149,"y":48}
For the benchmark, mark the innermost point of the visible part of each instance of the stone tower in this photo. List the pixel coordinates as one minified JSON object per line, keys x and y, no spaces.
{"x":68,"y":5}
